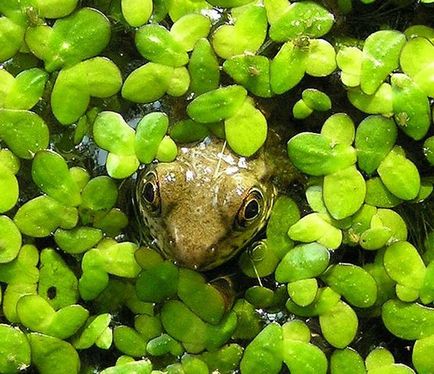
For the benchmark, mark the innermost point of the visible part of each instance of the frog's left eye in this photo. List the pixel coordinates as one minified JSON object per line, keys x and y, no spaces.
{"x":150,"y":196}
{"x":251,"y":208}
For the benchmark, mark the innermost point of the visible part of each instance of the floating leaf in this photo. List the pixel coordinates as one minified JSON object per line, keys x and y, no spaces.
{"x":399,"y":175}
{"x":188,"y":29}
{"x":380,"y":57}
{"x":157,"y":44}
{"x":204,"y":68}
{"x":246,"y":131}
{"x":344,"y":192}
{"x":216,"y":105}
{"x":314,"y":154}
{"x":247,"y":35}
{"x":375,"y":138}
{"x":51,"y":174}
{"x":416,"y":62}
{"x":411,"y":106}
{"x":352,"y":282}
{"x":24,"y":132}
{"x":137,"y":12}
{"x":137,"y":86}
{"x":252,"y":72}
{"x":301,"y":19}
{"x":72,"y":39}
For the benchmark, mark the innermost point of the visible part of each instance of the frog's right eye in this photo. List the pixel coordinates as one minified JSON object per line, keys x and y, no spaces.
{"x":150,"y":196}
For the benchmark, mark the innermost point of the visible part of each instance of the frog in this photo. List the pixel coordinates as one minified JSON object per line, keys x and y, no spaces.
{"x":203,"y":208}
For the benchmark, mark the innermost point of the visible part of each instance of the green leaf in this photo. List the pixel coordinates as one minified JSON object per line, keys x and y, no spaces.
{"x":72,"y":39}
{"x":264,"y":355}
{"x":288,"y":67}
{"x":339,"y":325}
{"x":14,"y":349}
{"x":136,"y":86}
{"x":247,"y":35}
{"x":344,"y":192}
{"x":301,"y":19}
{"x":204,"y":68}
{"x":149,"y":133}
{"x":51,"y":174}
{"x":411,"y":106}
{"x":216,"y":105}
{"x":352,"y":282}
{"x":189,"y":29}
{"x":416,"y":62}
{"x":246,"y":131}
{"x":252,"y":72}
{"x":137,"y":12}
{"x":303,"y":262}
{"x":39,"y":217}
{"x":408,"y":321}
{"x":52,"y":355}
{"x":158,"y":45}
{"x":375,"y":138}
{"x":9,"y":189}
{"x":380,"y":57}
{"x":314,"y":154}
{"x":24,"y":132}
{"x":404,"y":265}
{"x":113,"y":134}
{"x":399,"y":175}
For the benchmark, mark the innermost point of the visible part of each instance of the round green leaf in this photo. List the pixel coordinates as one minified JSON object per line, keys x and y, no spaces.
{"x":188,"y":29}
{"x":321,"y":60}
{"x":306,"y":18}
{"x":416,"y":62}
{"x":72,"y":39}
{"x":216,"y":105}
{"x":264,"y":354}
{"x":404,"y":264}
{"x":399,"y":175}
{"x":10,"y":240}
{"x":344,"y":192}
{"x":149,"y":133}
{"x":247,"y":35}
{"x":136,"y":86}
{"x":246,"y":131}
{"x":158,"y":45}
{"x":288,"y":67}
{"x":380,"y":57}
{"x":352,"y":282}
{"x":24,"y":132}
{"x":252,"y":72}
{"x":339,"y":128}
{"x":314,"y":154}
{"x":339,"y":325}
{"x":52,"y":355}
{"x":303,"y":262}
{"x":51,"y":174}
{"x":14,"y":349}
{"x":410,"y":106}
{"x":9,"y":189}
{"x":204,"y":68}
{"x":113,"y":134}
{"x":375,"y":138}
{"x":408,"y":321}
{"x":137,"y":12}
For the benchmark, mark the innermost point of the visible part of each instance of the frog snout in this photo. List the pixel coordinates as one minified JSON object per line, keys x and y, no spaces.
{"x":195,"y":244}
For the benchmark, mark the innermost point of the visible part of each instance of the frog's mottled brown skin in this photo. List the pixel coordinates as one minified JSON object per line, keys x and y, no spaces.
{"x":196,"y":221}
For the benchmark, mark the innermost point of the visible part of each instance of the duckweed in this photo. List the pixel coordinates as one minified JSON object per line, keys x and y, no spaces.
{"x":92,"y":92}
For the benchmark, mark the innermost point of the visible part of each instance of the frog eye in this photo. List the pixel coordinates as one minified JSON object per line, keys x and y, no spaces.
{"x":150,"y":196}
{"x":251,"y":208}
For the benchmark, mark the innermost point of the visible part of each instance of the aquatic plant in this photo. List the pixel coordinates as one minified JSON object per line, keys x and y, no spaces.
{"x":90,"y":90}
